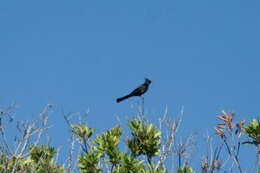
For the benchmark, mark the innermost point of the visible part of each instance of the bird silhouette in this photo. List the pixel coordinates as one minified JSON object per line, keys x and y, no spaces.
{"x":138,"y":91}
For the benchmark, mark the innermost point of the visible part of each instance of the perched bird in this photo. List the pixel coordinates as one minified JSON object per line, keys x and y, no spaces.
{"x":138,"y":91}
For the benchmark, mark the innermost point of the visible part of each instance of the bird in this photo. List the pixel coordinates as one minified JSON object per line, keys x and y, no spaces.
{"x":138,"y":91}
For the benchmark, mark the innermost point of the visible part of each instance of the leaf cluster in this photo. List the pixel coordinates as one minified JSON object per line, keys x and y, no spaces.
{"x":40,"y":160}
{"x":145,"y":141}
{"x":253,"y":131}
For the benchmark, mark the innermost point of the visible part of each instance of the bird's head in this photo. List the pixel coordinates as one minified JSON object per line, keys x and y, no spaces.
{"x":148,"y":81}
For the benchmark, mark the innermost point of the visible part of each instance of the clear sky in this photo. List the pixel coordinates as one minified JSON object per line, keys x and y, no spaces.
{"x":81,"y":55}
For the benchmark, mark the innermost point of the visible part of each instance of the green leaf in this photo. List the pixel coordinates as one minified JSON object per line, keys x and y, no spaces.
{"x":253,"y":131}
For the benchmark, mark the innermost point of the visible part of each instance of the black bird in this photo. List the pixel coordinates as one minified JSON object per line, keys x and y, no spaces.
{"x":138,"y":91}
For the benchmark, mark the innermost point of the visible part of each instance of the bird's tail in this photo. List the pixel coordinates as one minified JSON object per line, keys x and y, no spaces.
{"x":123,"y":98}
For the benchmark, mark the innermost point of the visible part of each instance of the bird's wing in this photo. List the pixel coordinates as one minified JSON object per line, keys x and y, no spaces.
{"x":139,"y":91}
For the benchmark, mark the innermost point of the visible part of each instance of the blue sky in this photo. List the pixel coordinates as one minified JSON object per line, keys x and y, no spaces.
{"x":82,"y":55}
